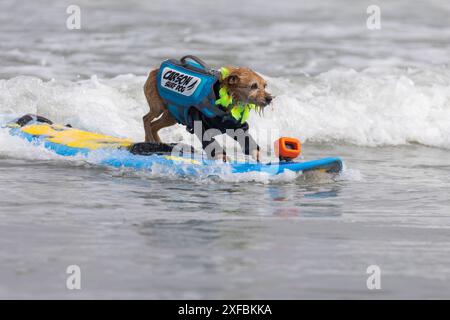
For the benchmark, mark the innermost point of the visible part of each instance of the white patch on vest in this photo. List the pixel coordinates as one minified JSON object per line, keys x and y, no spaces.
{"x":179,"y":82}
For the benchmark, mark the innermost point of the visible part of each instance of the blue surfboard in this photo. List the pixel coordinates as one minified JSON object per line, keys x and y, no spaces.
{"x":117,"y":152}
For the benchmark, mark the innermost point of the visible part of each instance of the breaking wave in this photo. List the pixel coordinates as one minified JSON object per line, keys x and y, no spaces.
{"x":367,"y":108}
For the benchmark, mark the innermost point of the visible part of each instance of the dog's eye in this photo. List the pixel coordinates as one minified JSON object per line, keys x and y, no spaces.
{"x":254,"y":86}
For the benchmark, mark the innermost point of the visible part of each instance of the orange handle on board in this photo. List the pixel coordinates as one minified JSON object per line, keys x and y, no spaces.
{"x":287,"y":148}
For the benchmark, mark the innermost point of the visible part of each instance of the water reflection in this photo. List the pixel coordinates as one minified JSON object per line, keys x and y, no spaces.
{"x":309,"y":201}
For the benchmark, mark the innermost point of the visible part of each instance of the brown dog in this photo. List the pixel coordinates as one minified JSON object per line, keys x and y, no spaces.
{"x":243,"y":84}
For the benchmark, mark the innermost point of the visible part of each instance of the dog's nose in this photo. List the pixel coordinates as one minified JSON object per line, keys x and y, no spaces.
{"x":268,"y":99}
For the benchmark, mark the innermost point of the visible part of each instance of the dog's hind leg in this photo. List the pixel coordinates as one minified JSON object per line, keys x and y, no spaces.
{"x":166,"y":120}
{"x":154,"y":102}
{"x":148,"y":118}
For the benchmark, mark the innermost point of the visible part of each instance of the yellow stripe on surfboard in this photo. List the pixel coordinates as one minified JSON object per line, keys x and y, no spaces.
{"x":83,"y":139}
{"x":75,"y":138}
{"x":185,"y":160}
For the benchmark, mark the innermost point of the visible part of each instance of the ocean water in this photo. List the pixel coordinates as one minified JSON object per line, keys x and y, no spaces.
{"x":380,"y":99}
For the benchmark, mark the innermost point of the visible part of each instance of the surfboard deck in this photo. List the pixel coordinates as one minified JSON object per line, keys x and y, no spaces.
{"x":120,"y":152}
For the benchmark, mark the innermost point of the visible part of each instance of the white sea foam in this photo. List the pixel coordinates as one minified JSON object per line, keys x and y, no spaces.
{"x":16,"y":147}
{"x":365,"y":108}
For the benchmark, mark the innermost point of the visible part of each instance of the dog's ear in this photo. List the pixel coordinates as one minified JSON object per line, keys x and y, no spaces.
{"x":232,"y":79}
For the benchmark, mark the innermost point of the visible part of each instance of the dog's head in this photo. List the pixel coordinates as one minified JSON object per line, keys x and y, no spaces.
{"x":247,"y":86}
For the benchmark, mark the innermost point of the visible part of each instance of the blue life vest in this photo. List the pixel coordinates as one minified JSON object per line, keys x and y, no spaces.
{"x":188,"y":83}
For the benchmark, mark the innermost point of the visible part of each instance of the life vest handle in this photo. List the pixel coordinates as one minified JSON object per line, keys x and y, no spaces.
{"x":196,"y":59}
